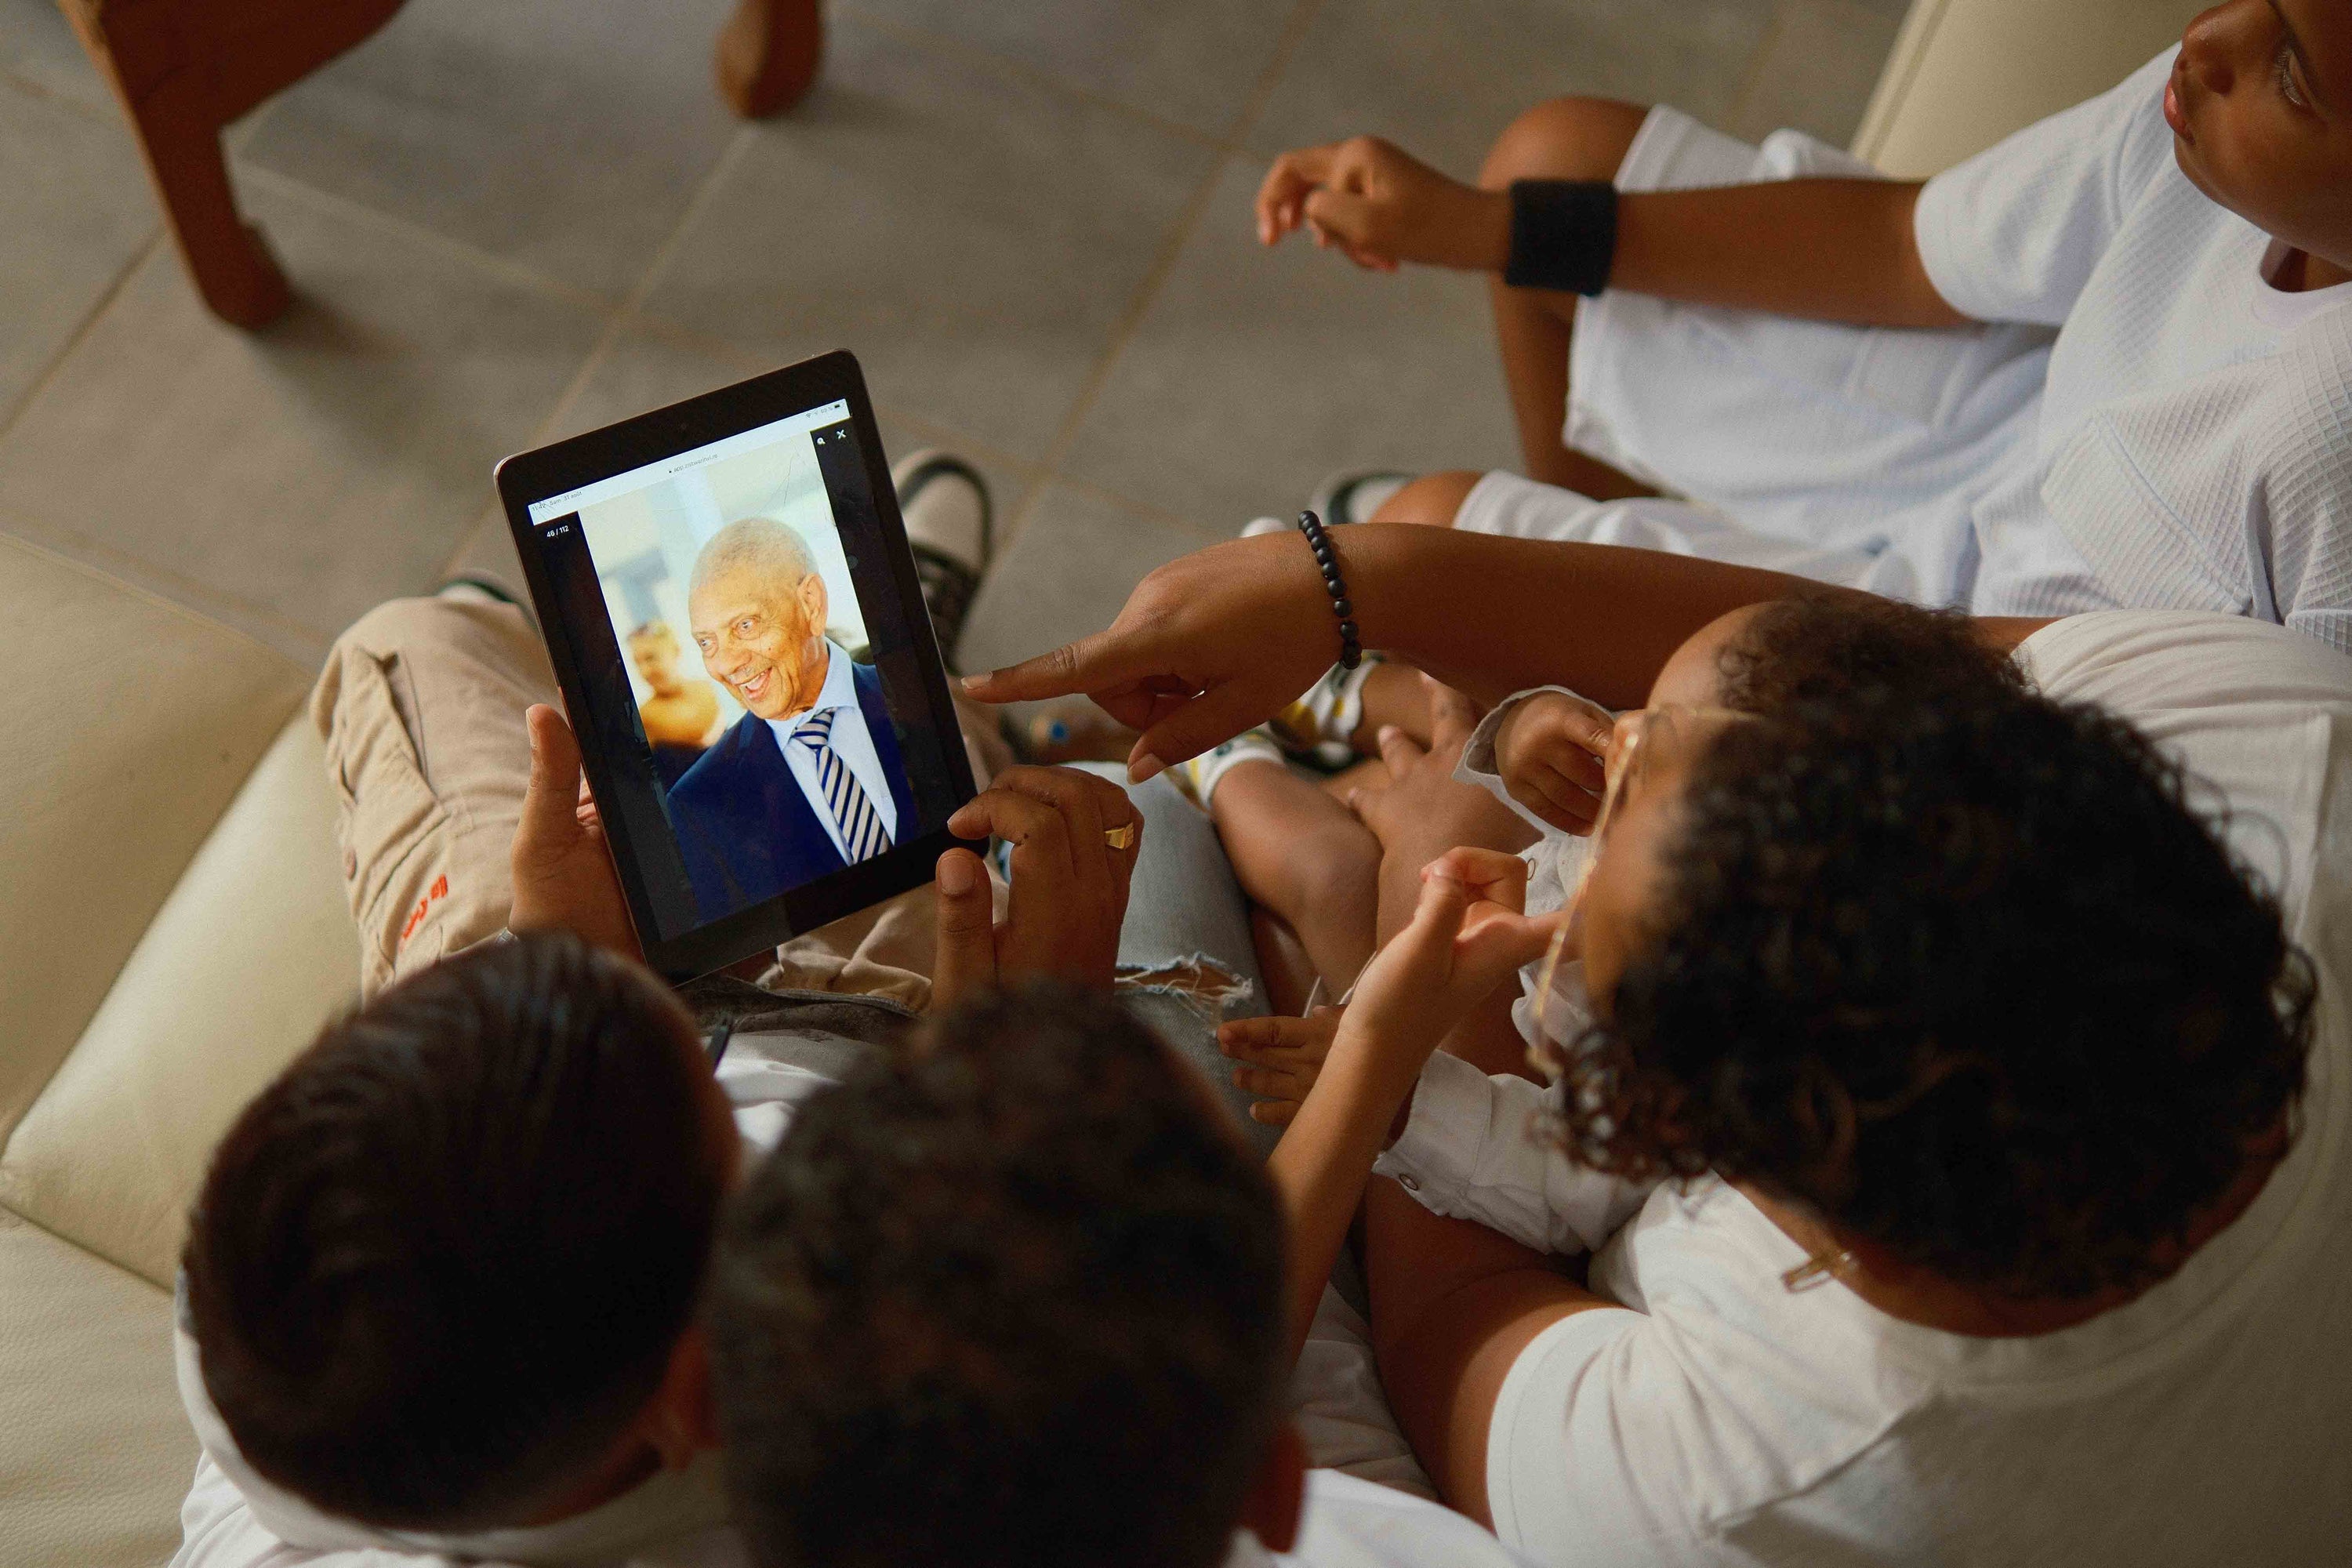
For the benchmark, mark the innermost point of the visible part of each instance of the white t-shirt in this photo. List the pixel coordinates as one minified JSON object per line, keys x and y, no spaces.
{"x":2193,"y":442}
{"x":1718,"y":1418}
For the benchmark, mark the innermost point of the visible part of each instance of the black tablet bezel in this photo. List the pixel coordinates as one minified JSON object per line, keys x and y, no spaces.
{"x":527,"y":477}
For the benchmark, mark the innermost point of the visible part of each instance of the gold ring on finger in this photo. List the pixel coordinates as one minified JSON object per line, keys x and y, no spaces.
{"x":1121,"y":836}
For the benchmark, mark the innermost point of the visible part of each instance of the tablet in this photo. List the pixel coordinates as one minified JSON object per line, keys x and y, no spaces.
{"x":735,"y":621}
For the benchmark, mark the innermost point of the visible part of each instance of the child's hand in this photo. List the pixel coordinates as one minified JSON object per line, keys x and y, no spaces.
{"x":1467,"y":935}
{"x":1281,"y":1059}
{"x":1382,"y":205}
{"x":1549,"y":752}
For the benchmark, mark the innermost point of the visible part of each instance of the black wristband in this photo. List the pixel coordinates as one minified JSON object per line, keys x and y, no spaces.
{"x":1563,"y":235}
{"x":1326,"y":559}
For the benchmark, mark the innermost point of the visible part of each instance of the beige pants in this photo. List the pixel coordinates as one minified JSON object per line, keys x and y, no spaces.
{"x":420,"y":707}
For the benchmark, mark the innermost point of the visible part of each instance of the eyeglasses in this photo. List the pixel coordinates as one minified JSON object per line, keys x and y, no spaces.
{"x":1641,"y":741}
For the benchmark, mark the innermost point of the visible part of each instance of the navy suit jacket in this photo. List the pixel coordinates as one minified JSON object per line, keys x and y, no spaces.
{"x":747,"y":832}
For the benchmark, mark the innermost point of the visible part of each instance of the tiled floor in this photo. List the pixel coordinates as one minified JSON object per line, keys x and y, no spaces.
{"x":1029,"y":218}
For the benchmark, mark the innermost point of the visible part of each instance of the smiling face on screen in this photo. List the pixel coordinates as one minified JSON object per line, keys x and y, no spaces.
{"x":758,"y":612}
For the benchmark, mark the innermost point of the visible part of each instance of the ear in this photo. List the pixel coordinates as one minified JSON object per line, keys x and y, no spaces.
{"x":815,"y":602}
{"x":681,"y":1420}
{"x":1278,"y":1495}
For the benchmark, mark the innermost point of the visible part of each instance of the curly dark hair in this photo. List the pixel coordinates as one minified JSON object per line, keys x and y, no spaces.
{"x":1968,"y":977}
{"x":1817,"y":648}
{"x":442,"y":1261}
{"x":1014,"y":1298}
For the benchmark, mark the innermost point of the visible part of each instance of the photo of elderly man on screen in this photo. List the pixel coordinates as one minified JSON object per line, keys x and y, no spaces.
{"x":809,"y":779}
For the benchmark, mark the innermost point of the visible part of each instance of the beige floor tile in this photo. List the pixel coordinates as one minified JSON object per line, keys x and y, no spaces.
{"x":74,"y":212}
{"x":647,"y":370}
{"x":1816,"y":73}
{"x":1258,"y":371}
{"x":1068,"y":573}
{"x":1194,"y":63}
{"x":971,"y":235}
{"x":566,"y":137}
{"x":1442,"y":79}
{"x":310,"y":470}
{"x":38,"y":46}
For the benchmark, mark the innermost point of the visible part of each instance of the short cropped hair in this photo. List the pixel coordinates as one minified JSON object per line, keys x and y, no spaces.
{"x":1012,"y":1300}
{"x":757,"y":544}
{"x":444,"y":1259}
{"x":654,"y":631}
{"x":1963,"y":973}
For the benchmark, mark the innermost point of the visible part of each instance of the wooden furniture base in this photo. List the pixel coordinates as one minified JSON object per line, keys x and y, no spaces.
{"x":184,"y":68}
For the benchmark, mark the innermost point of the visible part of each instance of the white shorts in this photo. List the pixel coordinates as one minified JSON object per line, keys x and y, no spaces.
{"x":1852,"y":455}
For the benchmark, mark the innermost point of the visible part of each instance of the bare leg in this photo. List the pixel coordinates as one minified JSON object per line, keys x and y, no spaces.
{"x":1282,"y":964}
{"x":1304,"y":857}
{"x":1564,"y":139}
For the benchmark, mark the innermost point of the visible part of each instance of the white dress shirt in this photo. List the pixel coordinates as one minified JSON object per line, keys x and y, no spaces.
{"x":852,"y":742}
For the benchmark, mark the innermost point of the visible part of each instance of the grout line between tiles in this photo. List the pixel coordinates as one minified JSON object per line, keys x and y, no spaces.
{"x":1058,"y":451}
{"x":83,"y":328}
{"x":629,"y":311}
{"x":72,"y":103}
{"x":383,"y":222}
{"x":1006,"y":65}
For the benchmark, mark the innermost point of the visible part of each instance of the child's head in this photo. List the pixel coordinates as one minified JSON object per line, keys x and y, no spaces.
{"x":2260,"y":108}
{"x":1952,"y":965}
{"x":442,"y":1270}
{"x":1012,"y":1299}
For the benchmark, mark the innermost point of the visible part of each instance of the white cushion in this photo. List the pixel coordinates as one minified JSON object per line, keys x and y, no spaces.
{"x":129,"y":723}
{"x":1966,"y":73}
{"x":95,"y":1454}
{"x":253,"y":950}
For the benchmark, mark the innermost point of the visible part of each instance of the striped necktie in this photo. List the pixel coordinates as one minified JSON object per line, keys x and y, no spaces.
{"x":863,"y":837}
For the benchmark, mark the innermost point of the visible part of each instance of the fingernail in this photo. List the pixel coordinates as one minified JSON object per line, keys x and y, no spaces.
{"x":1388,"y":732}
{"x":973,"y":682}
{"x":1145,"y":768}
{"x":955,"y":875}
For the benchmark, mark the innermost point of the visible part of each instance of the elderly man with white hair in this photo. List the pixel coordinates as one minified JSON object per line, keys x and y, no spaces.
{"x":809,"y":779}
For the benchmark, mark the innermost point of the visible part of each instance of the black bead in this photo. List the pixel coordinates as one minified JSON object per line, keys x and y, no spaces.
{"x":1343,"y":608}
{"x":1347,"y":629}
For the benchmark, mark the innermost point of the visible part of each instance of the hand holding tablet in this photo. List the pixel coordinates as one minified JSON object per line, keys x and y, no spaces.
{"x":735,"y":624}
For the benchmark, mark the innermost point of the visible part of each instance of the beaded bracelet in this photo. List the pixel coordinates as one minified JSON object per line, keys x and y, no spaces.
{"x":1352,"y":651}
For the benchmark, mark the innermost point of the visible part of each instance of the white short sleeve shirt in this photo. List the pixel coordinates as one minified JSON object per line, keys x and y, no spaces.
{"x":2193,"y":444}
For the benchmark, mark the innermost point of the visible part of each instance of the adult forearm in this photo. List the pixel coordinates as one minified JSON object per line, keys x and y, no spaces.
{"x":1837,"y":250}
{"x":1490,"y":616}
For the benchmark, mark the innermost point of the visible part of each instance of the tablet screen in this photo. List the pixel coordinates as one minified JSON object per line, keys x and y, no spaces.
{"x":756,"y":699}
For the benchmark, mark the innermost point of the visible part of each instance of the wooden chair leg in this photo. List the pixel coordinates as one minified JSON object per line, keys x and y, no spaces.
{"x":184,"y":68}
{"x":768,"y":56}
{"x":227,"y":258}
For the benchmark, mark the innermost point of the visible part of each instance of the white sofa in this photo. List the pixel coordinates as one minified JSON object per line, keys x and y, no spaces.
{"x":173,"y":927}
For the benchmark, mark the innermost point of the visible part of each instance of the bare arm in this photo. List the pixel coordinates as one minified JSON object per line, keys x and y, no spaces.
{"x":1838,"y":250}
{"x":1219,"y":640}
{"x":1453,"y":1304}
{"x":1835,"y":250}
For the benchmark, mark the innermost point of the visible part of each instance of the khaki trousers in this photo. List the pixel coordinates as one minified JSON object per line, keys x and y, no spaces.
{"x":421,"y":707}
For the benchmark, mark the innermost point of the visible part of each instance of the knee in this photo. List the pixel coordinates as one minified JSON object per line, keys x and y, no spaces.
{"x":1563,"y":139}
{"x":1338,"y":873}
{"x":1432,"y":500}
